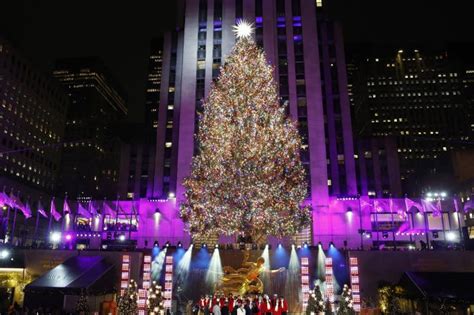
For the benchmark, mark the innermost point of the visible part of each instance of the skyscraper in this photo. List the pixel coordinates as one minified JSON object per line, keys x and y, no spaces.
{"x":307,"y":51}
{"x":416,"y":98}
{"x":32,"y":118}
{"x":153,"y":84}
{"x":91,"y":154}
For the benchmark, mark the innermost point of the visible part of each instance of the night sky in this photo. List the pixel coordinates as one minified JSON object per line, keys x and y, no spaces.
{"x":120,"y":31}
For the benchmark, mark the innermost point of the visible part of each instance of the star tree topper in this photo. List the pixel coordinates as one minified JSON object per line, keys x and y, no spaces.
{"x":243,"y":29}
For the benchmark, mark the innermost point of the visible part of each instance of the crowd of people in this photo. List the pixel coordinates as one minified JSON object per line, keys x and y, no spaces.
{"x":240,"y":305}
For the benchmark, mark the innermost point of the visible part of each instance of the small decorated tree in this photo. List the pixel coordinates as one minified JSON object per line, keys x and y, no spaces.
{"x":389,"y":298}
{"x":127,"y":303}
{"x":345,"y":303}
{"x":82,"y":306}
{"x":315,"y":302}
{"x":154,"y":301}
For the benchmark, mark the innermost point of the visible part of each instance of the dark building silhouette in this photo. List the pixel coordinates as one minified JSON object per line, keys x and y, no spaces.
{"x":33,"y":110}
{"x":415,"y":96}
{"x":91,"y":154}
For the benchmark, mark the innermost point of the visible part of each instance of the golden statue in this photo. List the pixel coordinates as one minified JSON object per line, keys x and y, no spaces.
{"x":246,"y":279}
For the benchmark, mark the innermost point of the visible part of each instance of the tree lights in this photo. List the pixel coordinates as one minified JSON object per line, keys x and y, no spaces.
{"x":247,"y":176}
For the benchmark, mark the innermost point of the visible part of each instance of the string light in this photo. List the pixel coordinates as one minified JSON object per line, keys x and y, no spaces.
{"x":248,"y":176}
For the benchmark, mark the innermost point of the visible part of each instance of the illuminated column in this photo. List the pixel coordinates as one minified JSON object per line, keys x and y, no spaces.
{"x":168,"y":293}
{"x":143,"y":292}
{"x":354,"y":267}
{"x":304,"y":281}
{"x":125,"y":274}
{"x":329,"y":293}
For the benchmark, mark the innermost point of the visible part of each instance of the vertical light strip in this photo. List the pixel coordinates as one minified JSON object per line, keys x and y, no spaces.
{"x":168,"y":282}
{"x":305,"y":281}
{"x":143,"y":292}
{"x":329,"y":282}
{"x":125,"y":274}
{"x":354,"y":267}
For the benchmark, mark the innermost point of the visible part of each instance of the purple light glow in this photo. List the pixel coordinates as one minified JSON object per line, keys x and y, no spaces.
{"x":68,"y":237}
{"x":297,"y":38}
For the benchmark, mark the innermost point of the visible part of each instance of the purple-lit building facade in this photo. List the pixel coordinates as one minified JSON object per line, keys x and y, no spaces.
{"x":307,"y":50}
{"x":308,"y":54}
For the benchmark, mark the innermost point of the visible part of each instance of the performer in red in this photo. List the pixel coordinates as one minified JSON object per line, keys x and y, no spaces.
{"x":202,"y":302}
{"x":230,"y":303}
{"x":266,"y":306}
{"x":280,"y":307}
{"x":215,"y":300}
{"x":259,"y":303}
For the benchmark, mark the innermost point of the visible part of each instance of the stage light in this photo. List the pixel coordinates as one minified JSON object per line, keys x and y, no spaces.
{"x":204,"y":245}
{"x":216,"y":246}
{"x":384,"y":234}
{"x":68,"y":237}
{"x":451,"y":236}
{"x":320,"y":244}
{"x":180,"y":245}
{"x":443,"y":194}
{"x":305,"y":245}
{"x":171,"y":195}
{"x":279,"y":245}
{"x":331,"y":244}
{"x":156,"y":244}
{"x":55,"y":237}
{"x":121,"y":237}
{"x":167,"y":244}
{"x":4,"y":254}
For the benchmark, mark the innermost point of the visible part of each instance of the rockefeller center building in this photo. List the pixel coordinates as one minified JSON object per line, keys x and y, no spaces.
{"x":307,"y":51}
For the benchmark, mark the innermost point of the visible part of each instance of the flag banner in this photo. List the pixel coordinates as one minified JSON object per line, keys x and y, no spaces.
{"x":469,"y":205}
{"x":66,"y":208}
{"x":380,"y":205}
{"x":56,"y":215}
{"x":15,"y":202}
{"x":92,"y":209}
{"x":429,"y":206}
{"x":26,"y":210}
{"x":41,"y":210}
{"x":4,"y":199}
{"x":108,"y":211}
{"x":413,"y":204}
{"x":365,"y":203}
{"x":82,"y":212}
{"x":398,"y":205}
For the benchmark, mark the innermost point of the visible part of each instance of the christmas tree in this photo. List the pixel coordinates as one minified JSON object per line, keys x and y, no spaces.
{"x":315,"y":302}
{"x":345,"y":303}
{"x":154,"y":301}
{"x":82,"y":306}
{"x":127,"y":303}
{"x":247,"y":176}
